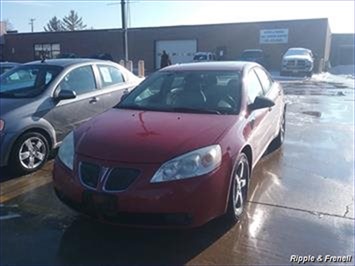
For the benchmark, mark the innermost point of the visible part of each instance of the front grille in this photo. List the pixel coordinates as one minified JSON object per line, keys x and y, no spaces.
{"x":291,"y":62}
{"x":120,"y":179}
{"x":301,"y":62}
{"x":89,"y":174}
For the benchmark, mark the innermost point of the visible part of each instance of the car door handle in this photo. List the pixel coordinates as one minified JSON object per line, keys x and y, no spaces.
{"x":94,"y":100}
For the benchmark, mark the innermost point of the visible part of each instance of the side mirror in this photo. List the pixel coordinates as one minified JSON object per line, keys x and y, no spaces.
{"x":261,"y":102}
{"x":65,"y":95}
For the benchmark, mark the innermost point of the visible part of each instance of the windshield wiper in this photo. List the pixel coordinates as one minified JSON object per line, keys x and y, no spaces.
{"x":195,"y":110}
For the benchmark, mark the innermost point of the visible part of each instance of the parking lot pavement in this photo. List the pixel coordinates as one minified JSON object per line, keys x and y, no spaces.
{"x":301,"y":202}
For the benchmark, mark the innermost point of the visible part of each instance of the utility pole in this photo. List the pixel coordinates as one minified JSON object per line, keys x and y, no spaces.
{"x":124,"y":30}
{"x":32,"y":23}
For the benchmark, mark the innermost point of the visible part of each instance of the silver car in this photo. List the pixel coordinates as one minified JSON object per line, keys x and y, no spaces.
{"x":42,"y":101}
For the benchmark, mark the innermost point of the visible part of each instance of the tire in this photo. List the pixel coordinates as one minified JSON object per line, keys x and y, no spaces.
{"x":309,"y":74}
{"x":278,"y":141}
{"x":34,"y":149}
{"x":239,"y":189}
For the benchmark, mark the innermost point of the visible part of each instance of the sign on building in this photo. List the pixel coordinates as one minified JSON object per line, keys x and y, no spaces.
{"x":271,"y":36}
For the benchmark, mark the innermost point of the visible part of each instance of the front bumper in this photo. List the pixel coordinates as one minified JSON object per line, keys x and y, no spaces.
{"x":184,"y":203}
{"x":296,"y":70}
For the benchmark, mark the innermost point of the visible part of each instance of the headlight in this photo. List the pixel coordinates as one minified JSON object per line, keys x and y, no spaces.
{"x":194,"y":163}
{"x":66,"y":151}
{"x":284,"y":62}
{"x":2,"y":124}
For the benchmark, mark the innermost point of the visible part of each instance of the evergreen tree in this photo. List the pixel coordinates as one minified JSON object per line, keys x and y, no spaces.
{"x":54,"y":24}
{"x":73,"y":22}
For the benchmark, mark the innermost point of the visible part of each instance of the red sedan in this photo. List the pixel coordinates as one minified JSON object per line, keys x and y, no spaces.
{"x":178,"y":150}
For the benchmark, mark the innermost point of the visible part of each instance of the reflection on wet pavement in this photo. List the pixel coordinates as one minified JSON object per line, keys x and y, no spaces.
{"x":301,"y":202}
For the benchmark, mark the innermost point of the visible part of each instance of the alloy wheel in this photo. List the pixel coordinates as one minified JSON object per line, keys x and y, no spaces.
{"x":32,"y":153}
{"x":240,"y":187}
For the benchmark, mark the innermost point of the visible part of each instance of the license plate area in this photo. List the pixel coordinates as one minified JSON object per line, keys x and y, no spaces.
{"x":100,"y":203}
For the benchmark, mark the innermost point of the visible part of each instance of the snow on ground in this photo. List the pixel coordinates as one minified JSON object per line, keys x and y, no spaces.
{"x":339,"y":75}
{"x":343,"y":75}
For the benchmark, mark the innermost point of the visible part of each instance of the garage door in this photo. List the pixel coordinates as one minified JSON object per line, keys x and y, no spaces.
{"x":180,"y":51}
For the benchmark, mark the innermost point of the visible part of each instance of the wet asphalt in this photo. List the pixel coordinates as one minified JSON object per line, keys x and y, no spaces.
{"x":301,"y":202}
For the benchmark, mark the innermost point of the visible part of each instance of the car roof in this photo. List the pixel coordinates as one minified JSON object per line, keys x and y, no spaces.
{"x":298,"y":49}
{"x":217,"y":66}
{"x":9,"y":63}
{"x":65,"y":62}
{"x":252,"y":50}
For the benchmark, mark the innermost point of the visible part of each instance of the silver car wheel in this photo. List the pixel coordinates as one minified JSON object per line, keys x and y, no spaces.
{"x":32,"y":153}
{"x":240,"y":187}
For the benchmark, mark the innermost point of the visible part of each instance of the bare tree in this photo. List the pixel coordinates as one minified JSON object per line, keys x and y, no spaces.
{"x":8,"y":25}
{"x":54,"y":24}
{"x":73,"y":22}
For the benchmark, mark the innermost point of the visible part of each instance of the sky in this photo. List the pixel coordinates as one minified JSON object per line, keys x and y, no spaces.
{"x":144,"y":13}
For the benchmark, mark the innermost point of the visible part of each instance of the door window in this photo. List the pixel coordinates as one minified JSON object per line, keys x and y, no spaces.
{"x":81,"y":80}
{"x":253,"y":86}
{"x":110,"y":76}
{"x":264,"y":79}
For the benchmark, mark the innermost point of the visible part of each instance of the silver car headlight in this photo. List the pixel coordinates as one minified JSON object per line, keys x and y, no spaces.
{"x":66,"y":151}
{"x":191,"y":164}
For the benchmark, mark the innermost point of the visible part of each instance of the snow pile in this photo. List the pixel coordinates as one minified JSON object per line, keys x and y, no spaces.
{"x":339,"y":75}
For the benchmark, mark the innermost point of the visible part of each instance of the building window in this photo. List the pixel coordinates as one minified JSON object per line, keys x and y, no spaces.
{"x":49,"y":50}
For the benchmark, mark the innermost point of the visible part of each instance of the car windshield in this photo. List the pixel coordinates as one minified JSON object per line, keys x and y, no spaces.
{"x":27,"y":81}
{"x":296,"y":52}
{"x":200,"y":57}
{"x":252,"y":54}
{"x":210,"y":92}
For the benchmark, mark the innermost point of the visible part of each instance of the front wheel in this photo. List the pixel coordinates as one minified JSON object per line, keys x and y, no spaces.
{"x":29,"y":153}
{"x":239,"y":189}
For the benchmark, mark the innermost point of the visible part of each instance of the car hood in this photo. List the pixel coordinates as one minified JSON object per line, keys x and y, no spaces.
{"x":297,"y":57}
{"x":134,"y":136}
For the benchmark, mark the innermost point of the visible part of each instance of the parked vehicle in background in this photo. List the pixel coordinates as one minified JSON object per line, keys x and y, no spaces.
{"x":255,"y":55}
{"x":204,"y":57}
{"x":6,"y":66}
{"x":297,"y":61}
{"x":182,"y":146}
{"x":42,"y":102}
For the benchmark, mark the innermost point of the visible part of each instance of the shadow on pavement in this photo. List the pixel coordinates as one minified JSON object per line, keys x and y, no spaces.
{"x":88,"y":242}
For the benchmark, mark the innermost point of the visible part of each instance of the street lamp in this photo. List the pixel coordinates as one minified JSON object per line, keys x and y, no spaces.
{"x":124,"y":29}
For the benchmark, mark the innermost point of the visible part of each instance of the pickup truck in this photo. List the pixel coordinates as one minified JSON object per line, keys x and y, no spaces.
{"x":297,"y":61}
